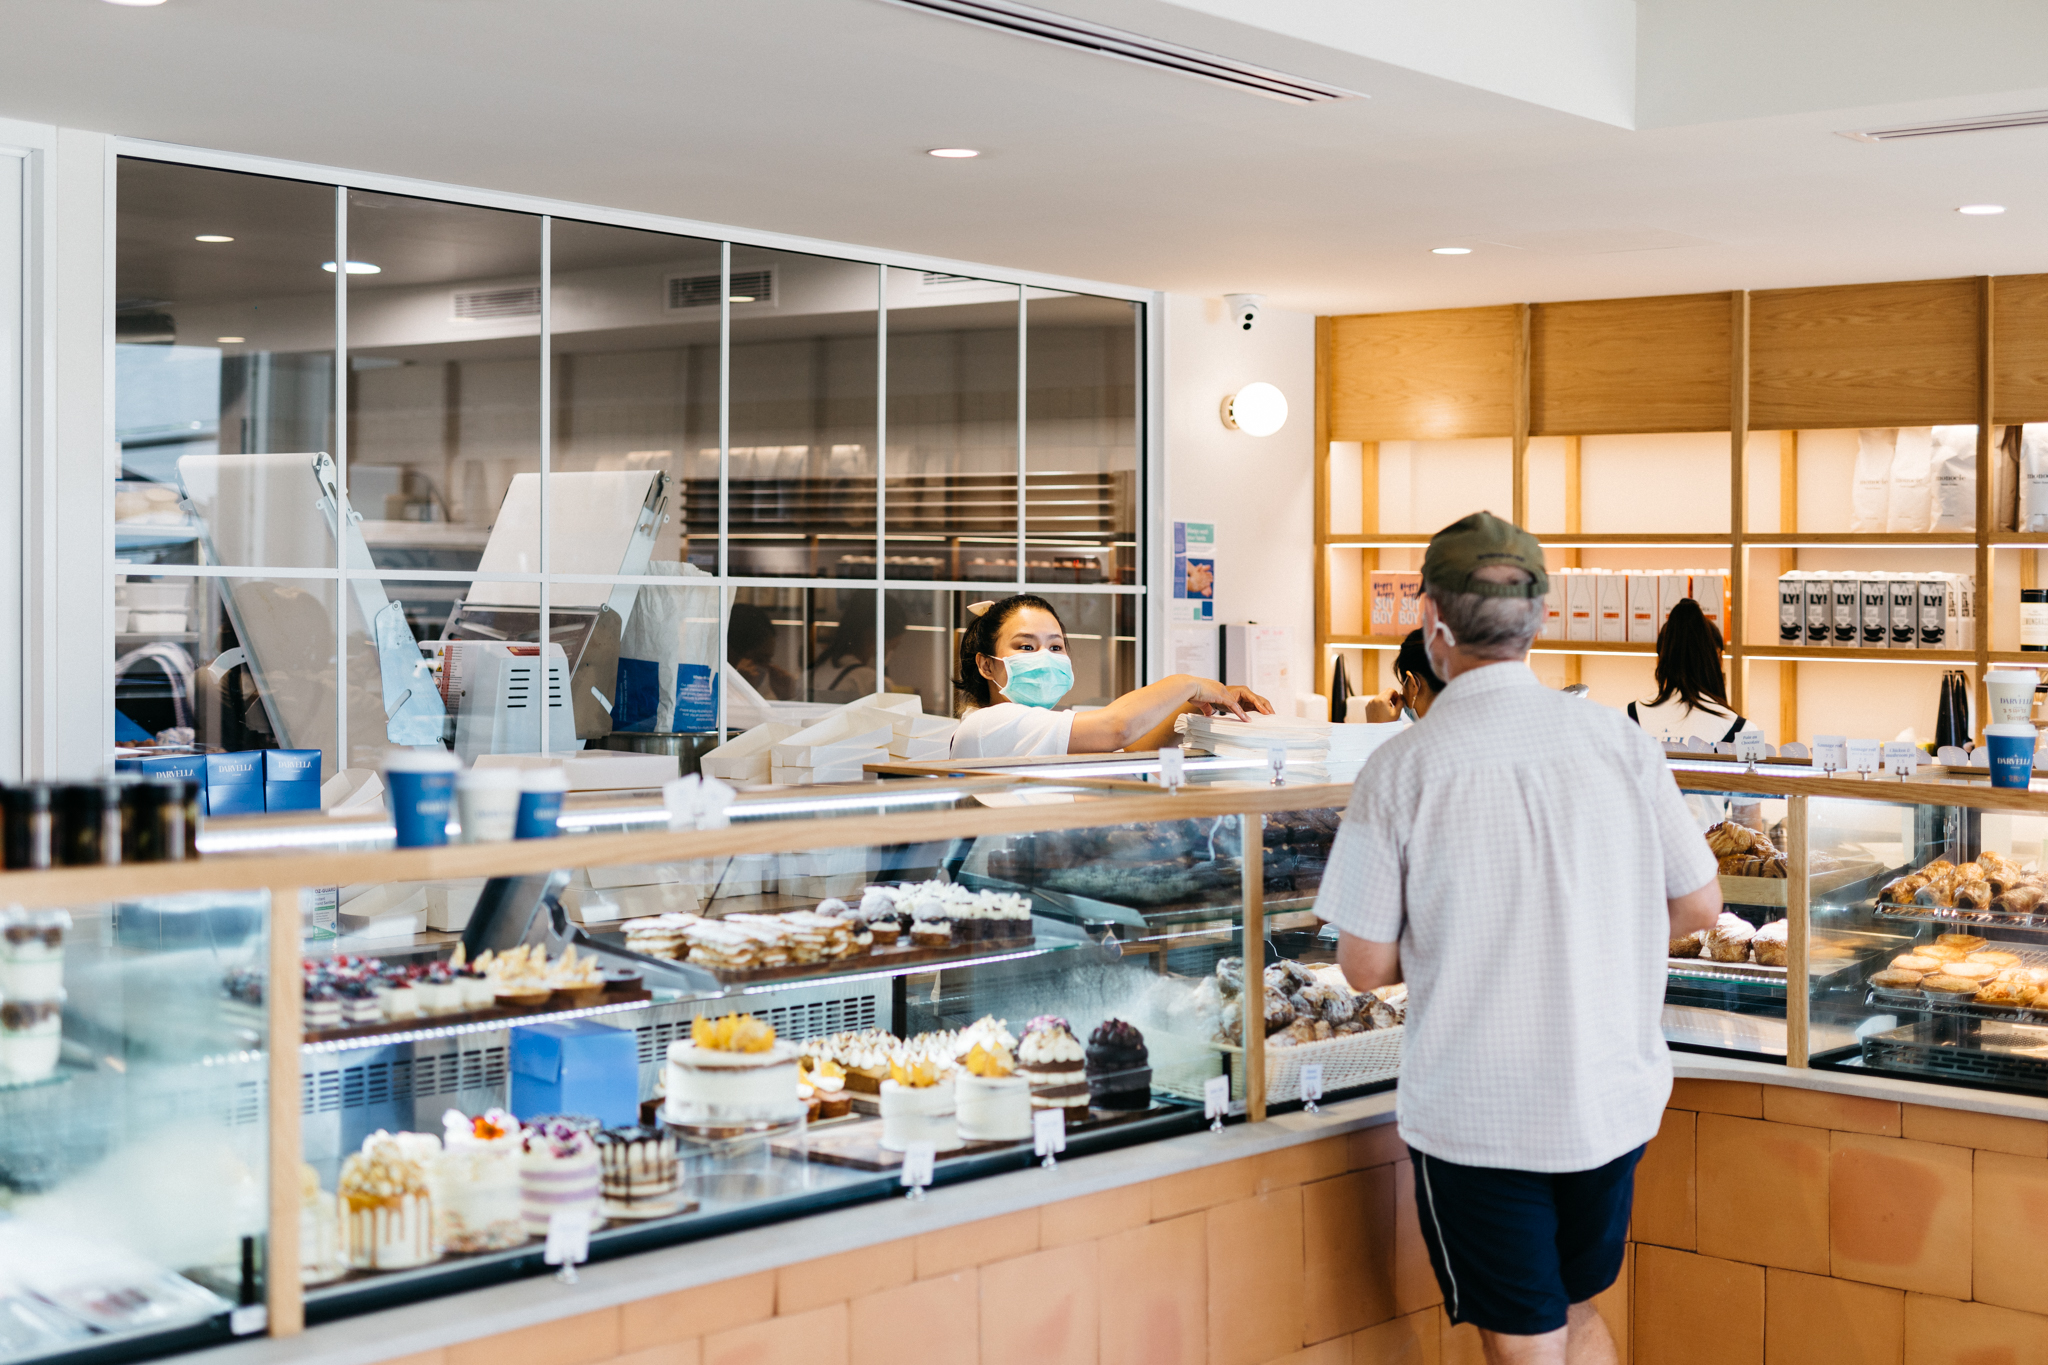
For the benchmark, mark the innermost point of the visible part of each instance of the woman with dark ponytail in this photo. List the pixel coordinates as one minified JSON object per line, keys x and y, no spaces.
{"x":1014,"y":670}
{"x":1692,"y":698}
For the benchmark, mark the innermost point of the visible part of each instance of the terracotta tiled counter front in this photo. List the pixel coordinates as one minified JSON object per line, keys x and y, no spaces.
{"x":1782,"y":1223}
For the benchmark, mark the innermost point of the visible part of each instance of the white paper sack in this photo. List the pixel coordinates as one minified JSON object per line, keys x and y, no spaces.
{"x":2034,"y":477}
{"x":1954,"y":472}
{"x":1911,"y":502}
{"x":1870,"y":487}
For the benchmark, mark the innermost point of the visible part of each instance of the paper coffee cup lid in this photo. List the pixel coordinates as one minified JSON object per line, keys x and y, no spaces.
{"x":2012,"y":729}
{"x":421,"y":761}
{"x":494,"y":778}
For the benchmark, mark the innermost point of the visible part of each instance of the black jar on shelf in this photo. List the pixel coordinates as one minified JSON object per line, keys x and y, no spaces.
{"x":154,"y":820}
{"x":29,"y":833}
{"x":88,"y":824}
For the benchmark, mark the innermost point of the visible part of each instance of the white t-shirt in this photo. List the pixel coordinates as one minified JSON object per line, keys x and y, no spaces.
{"x":1012,"y":730}
{"x":1675,"y":720}
{"x":1520,"y":846}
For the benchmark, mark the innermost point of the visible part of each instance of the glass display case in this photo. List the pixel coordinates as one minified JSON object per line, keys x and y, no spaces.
{"x":628,"y":1036}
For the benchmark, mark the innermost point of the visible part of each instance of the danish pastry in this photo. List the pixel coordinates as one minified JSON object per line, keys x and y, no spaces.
{"x":1728,"y":940}
{"x":1770,"y":943}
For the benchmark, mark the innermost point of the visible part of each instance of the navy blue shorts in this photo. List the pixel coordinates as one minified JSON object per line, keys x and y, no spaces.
{"x":1512,"y":1250}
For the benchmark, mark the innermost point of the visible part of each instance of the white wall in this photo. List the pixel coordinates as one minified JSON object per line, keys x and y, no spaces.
{"x":1260,"y":491}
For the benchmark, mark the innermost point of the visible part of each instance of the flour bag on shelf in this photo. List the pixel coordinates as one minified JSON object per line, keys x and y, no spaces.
{"x":1911,"y":503}
{"x":1954,"y":467}
{"x":1870,"y":490}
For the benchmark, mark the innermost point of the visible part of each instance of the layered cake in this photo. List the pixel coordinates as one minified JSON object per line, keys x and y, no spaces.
{"x":994,"y":1102}
{"x":477,"y":1182}
{"x":730,"y":1079}
{"x":1119,"y":1068}
{"x":558,"y":1173}
{"x":993,"y":918}
{"x":1051,"y":1057}
{"x":639,"y":1171}
{"x":386,"y":1204}
{"x":31,"y":1037}
{"x":918,"y":1106}
{"x":32,"y":953}
{"x":828,"y":1082}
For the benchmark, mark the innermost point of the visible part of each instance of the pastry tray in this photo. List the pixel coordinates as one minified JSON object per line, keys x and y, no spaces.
{"x":1893,"y":1001}
{"x":859,"y":1145}
{"x":877,"y":959}
{"x":2003,"y":1054}
{"x":1771,"y":890}
{"x":497,"y":1014}
{"x":2036,"y":922}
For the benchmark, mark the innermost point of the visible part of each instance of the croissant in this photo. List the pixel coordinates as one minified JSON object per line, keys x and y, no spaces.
{"x":1777,"y":866}
{"x":1726,"y":838}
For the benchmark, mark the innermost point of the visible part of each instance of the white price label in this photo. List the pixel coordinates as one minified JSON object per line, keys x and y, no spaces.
{"x":1311,"y":1082}
{"x":1900,"y":758}
{"x":1276,"y":759}
{"x":1749,"y":745}
{"x":918,"y":1159}
{"x":568,"y":1237}
{"x":1172,"y":768}
{"x":1830,"y":753}
{"x":1863,"y":755}
{"x":248,"y":1320}
{"x":1216,"y":1097}
{"x":1049,"y":1132}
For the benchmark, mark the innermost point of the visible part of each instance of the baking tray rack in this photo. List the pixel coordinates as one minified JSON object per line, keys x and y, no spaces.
{"x":2036,"y":923}
{"x":1954,"y":1019}
{"x":2007,"y":1055}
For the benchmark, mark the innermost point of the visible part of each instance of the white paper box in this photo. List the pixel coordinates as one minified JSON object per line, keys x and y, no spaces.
{"x":934,"y":727}
{"x":1710,"y":591}
{"x":1582,"y":605}
{"x":1672,"y":588}
{"x":925,"y":750}
{"x":1553,"y":608}
{"x":1612,"y":620}
{"x":451,"y":903}
{"x":594,"y":769}
{"x":845,"y":885}
{"x":738,"y":759}
{"x":847,"y":730}
{"x":630,"y":874}
{"x":1643,"y":620}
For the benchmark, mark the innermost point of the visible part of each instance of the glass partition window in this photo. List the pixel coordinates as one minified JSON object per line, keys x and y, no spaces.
{"x":540,"y":421}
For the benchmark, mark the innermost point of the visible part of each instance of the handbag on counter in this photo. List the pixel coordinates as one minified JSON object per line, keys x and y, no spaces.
{"x":1340,"y":692}
{"x":1952,"y":719}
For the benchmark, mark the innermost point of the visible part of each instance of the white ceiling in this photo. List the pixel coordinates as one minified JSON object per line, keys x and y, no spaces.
{"x":1582,"y":147}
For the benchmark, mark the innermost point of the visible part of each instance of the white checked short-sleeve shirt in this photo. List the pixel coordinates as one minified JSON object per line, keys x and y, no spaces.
{"x":1520,"y":844}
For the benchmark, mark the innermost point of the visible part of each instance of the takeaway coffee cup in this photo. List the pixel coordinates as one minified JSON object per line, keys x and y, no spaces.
{"x":2011,"y":692}
{"x":2012,"y":753}
{"x":487,"y":799}
{"x":540,"y":803}
{"x":420,"y":790}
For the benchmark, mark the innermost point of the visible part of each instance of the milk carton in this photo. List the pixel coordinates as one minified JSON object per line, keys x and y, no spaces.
{"x":1844,"y":618}
{"x":1672,"y":588}
{"x":1612,"y":621}
{"x":1554,"y":607}
{"x":1902,"y":615}
{"x":1792,"y":608}
{"x":1937,"y":611}
{"x":1873,"y":611}
{"x":1644,"y":620}
{"x":1820,"y":608}
{"x":1581,"y":606}
{"x":1711,"y":591}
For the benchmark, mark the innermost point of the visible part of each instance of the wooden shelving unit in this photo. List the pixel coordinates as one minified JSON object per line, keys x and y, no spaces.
{"x":1897,"y":354}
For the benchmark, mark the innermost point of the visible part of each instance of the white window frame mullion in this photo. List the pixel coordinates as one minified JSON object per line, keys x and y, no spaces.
{"x":1023,"y":419}
{"x":547,"y":417}
{"x":726,"y":596}
{"x":341,"y":598}
{"x":881,"y":473}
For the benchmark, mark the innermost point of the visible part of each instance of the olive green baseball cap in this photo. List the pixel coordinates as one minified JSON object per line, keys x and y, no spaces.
{"x":1477,"y":542}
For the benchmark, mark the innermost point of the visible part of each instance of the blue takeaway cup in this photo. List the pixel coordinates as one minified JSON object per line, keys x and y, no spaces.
{"x":419,"y":788}
{"x":540,"y":803}
{"x":2012,"y":753}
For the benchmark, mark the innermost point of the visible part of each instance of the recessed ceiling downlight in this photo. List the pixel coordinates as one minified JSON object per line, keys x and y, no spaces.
{"x":953,"y":153}
{"x":135,"y":4}
{"x":1981,"y":210}
{"x":230,"y":341}
{"x":1450,"y":251}
{"x":354,"y":268}
{"x":212,"y":237}
{"x":739,"y":298}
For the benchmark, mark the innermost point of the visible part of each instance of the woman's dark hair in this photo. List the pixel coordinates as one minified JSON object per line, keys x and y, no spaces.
{"x":750,"y":633}
{"x":980,"y":638}
{"x":854,"y":636}
{"x":1413,"y":662}
{"x":1689,"y":659}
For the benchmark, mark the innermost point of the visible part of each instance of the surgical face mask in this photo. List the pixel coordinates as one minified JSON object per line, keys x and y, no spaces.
{"x":1450,"y":642}
{"x":1039,"y":678}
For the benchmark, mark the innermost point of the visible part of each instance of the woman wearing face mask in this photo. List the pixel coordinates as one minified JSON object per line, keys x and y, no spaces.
{"x":1014,"y":670}
{"x":1419,"y":685}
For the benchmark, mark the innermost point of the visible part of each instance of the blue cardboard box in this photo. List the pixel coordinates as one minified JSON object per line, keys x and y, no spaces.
{"x":234,"y":783}
{"x":184,"y":767}
{"x":291,"y":779}
{"x":576,"y":1067}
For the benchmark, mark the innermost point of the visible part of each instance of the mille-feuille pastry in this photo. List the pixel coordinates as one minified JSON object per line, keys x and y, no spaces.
{"x":1974,"y":971}
{"x":1946,"y":952}
{"x":2003,"y":993}
{"x":1917,"y":962}
{"x":1952,"y":987}
{"x":1997,"y":957}
{"x":1728,"y":940}
{"x":1892,"y":979}
{"x":1969,"y":943}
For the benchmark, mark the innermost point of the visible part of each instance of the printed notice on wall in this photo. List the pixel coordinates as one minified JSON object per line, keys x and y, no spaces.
{"x":1194,"y":571}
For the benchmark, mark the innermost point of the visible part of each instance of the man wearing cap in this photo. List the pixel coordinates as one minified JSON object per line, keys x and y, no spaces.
{"x":1520,"y":857}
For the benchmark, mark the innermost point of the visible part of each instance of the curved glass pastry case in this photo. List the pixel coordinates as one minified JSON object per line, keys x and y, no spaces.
{"x":629,"y":1036}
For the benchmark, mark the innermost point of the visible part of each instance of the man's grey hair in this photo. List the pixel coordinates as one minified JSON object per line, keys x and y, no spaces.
{"x":1491,"y":627}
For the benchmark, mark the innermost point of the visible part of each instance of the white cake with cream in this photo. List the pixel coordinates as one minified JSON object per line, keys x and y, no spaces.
{"x":477,"y":1183}
{"x":731,"y":1078}
{"x":919,"y":1105}
{"x":993,"y":1101}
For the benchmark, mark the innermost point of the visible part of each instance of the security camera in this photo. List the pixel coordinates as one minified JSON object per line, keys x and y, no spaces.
{"x":1244,"y":308}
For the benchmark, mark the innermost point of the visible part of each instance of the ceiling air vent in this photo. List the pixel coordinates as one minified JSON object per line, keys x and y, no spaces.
{"x":488,"y":305}
{"x":939,"y":279}
{"x":701,"y":291}
{"x":1030,"y":22}
{"x":1985,"y":123}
